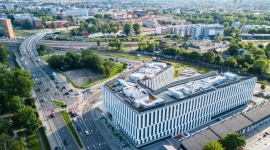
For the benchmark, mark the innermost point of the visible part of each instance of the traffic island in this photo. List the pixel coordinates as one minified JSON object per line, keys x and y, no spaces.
{"x":71,"y":128}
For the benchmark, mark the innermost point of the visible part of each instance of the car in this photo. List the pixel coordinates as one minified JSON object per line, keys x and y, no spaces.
{"x":71,"y":90}
{"x":67,"y":93}
{"x":66,"y":142}
{"x":56,"y":148}
{"x":74,"y":120}
{"x":52,"y":115}
{"x":78,"y":127}
{"x":77,"y":93}
{"x":87,"y":132}
{"x":43,"y":100}
{"x":71,"y":112}
{"x":57,"y":81}
{"x":64,"y":87}
{"x":38,"y":89}
{"x":40,"y":82}
{"x":76,"y":114}
{"x":48,"y":89}
{"x":57,"y":86}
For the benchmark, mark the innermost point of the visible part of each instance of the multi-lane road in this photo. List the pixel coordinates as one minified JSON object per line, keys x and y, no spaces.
{"x":43,"y":82}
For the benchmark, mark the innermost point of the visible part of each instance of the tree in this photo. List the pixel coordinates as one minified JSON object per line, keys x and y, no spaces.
{"x":27,"y":118}
{"x":92,"y":29}
{"x":127,"y":28}
{"x":6,"y":127}
{"x":232,"y":141}
{"x":8,"y":143}
{"x":233,"y":49}
{"x":230,"y":62}
{"x":213,"y":145}
{"x":98,"y":42}
{"x":208,"y":57}
{"x":15,"y":103}
{"x":219,"y":60}
{"x":112,"y":44}
{"x":260,"y":66}
{"x":262,"y":87}
{"x":53,"y":25}
{"x":114,"y":30}
{"x":71,"y":19}
{"x":118,"y":44}
{"x":137,"y":28}
{"x":3,"y":53}
{"x":27,"y":25}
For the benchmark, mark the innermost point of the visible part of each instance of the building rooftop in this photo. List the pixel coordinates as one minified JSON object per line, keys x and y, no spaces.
{"x":131,"y":87}
{"x":230,"y":125}
{"x":195,"y":142}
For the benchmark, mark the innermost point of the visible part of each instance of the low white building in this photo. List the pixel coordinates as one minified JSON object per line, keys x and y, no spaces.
{"x":76,"y":12}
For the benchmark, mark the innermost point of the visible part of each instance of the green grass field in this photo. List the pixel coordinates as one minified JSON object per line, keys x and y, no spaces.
{"x":72,"y":129}
{"x":44,"y":138}
{"x":140,"y":58}
{"x":117,"y":69}
{"x":58,"y":103}
{"x":33,"y":142}
{"x":200,"y":70}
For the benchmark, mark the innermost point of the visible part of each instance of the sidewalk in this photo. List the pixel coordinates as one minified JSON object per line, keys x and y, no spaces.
{"x":50,"y":131}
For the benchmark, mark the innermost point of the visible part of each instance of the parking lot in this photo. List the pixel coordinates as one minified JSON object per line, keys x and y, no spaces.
{"x":83,"y":76}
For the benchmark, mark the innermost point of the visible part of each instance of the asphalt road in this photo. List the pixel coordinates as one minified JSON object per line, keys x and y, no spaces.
{"x":41,"y":75}
{"x":93,"y":141}
{"x":62,"y":132}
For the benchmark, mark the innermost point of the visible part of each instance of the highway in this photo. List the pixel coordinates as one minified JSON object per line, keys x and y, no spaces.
{"x":62,"y":132}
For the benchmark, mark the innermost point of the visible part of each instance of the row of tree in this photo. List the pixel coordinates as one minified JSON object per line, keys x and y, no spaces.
{"x":87,"y":59}
{"x":230,"y":142}
{"x":44,"y":49}
{"x":255,"y":61}
{"x":225,"y":19}
{"x":147,"y":46}
{"x":116,"y":43}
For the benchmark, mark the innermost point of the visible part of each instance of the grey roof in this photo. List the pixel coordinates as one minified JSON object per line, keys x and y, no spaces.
{"x":197,"y":141}
{"x":258,"y":113}
{"x":230,"y":125}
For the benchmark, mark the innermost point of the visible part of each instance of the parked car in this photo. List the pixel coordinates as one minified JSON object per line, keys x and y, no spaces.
{"x":71,"y":90}
{"x":78,"y":127}
{"x":67,"y":93}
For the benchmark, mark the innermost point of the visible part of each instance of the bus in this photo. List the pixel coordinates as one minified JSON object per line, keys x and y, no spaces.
{"x":54,"y":75}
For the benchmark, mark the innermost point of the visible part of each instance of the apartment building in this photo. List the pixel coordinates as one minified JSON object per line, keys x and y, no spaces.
{"x":146,"y":112}
{"x":194,"y":31}
{"x":6,"y":28}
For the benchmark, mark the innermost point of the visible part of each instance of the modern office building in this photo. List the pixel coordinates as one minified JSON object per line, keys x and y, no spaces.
{"x":6,"y":28}
{"x":149,"y":112}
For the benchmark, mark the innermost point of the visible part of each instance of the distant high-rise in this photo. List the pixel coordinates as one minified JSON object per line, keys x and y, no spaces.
{"x":6,"y":28}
